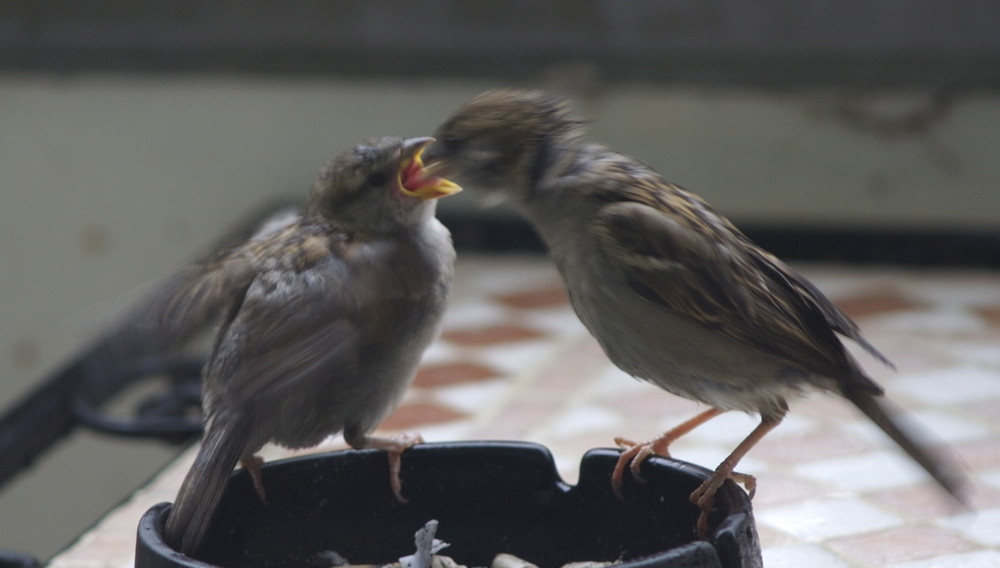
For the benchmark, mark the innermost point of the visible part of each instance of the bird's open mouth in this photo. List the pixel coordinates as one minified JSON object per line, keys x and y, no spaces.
{"x":416,"y":181}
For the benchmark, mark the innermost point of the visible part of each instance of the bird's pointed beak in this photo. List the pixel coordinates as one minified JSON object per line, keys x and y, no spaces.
{"x":415,"y":179}
{"x":436,"y":160}
{"x":434,"y":153}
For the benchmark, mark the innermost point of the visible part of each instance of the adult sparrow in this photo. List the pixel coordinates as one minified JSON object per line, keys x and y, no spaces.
{"x":674,"y":293}
{"x":325,"y":319}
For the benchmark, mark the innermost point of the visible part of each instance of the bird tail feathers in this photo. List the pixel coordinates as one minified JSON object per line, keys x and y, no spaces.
{"x":203,"y":486}
{"x":946,"y":470}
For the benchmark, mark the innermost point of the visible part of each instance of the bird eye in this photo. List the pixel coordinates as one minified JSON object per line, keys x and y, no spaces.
{"x":451,"y":143}
{"x":376,"y":178}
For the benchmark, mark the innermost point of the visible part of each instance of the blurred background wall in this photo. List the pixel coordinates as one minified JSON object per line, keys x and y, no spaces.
{"x":134,"y":134}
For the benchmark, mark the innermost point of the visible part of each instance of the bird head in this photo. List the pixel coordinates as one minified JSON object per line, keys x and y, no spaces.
{"x":381,"y":184}
{"x":497,"y":141}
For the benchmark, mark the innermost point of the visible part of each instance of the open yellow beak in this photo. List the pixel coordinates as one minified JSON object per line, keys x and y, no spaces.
{"x":415,"y":180}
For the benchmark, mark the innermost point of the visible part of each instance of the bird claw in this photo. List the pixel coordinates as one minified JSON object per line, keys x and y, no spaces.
{"x":704,"y":496}
{"x":624,"y":443}
{"x":395,"y":446}
{"x":633,"y":454}
{"x":252,"y":465}
{"x":748,"y":481}
{"x":702,"y":525}
{"x":627,"y":458}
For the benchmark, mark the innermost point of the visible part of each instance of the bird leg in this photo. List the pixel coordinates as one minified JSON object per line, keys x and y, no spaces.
{"x":704,"y":495}
{"x":634,"y":453}
{"x":395,"y":446}
{"x":252,"y":465}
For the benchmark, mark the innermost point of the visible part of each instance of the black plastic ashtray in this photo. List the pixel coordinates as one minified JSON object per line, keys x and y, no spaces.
{"x":488,"y":498}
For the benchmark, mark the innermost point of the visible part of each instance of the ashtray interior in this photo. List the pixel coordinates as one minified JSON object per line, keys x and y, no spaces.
{"x":488,"y":498}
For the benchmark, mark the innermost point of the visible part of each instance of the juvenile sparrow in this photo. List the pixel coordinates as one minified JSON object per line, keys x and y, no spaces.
{"x":674,"y":293}
{"x":326,"y":318}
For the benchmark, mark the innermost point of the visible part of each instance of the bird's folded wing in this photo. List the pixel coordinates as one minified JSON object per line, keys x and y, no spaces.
{"x":273,"y":345}
{"x":707,"y":275}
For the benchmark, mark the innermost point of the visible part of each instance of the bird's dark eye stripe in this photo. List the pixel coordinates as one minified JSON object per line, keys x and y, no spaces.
{"x":451,"y":143}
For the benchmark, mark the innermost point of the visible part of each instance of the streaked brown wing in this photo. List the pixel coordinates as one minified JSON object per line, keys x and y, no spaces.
{"x":797,"y":284}
{"x":283,"y":353}
{"x":202,"y":293}
{"x":279,"y":338}
{"x":715,"y":282}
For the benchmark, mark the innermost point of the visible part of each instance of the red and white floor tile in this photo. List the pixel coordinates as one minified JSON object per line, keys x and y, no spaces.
{"x":513,"y":363}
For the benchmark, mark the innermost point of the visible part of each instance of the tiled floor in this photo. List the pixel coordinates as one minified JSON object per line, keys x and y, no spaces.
{"x":514,"y":363}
